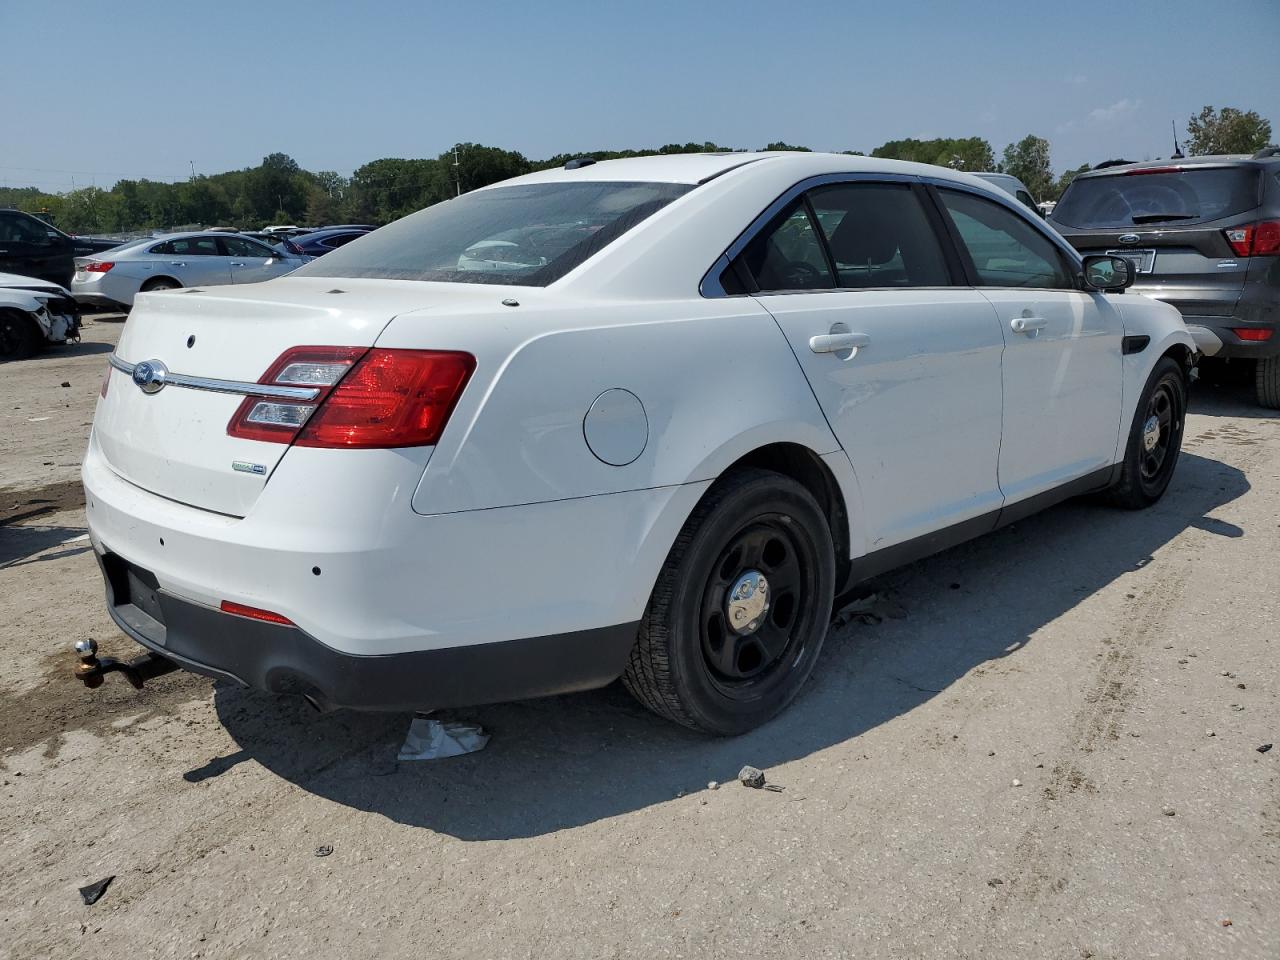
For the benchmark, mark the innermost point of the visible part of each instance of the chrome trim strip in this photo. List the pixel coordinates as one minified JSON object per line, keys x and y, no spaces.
{"x":211,"y":385}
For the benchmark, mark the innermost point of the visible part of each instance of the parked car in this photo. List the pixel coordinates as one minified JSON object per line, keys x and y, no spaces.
{"x":181,"y":260}
{"x":320,"y":242}
{"x":33,"y":313}
{"x":1204,"y":236}
{"x":1014,"y":187}
{"x":30,"y":247}
{"x":389,"y":481}
{"x":275,"y":240}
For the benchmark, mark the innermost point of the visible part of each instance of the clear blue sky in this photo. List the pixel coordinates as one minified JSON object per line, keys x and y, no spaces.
{"x":110,"y":88}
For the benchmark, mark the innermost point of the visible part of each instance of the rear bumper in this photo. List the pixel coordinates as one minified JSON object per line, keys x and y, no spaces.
{"x":1223,"y":310}
{"x":285,"y":659}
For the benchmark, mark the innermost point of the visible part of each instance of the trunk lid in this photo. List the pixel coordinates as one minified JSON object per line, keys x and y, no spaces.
{"x":174,"y":442}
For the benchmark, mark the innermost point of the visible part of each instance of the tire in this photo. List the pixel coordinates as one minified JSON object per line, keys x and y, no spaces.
{"x":1266,"y":380}
{"x":164,"y":283}
{"x":1150,"y":457}
{"x":688,"y":665}
{"x":19,"y":337}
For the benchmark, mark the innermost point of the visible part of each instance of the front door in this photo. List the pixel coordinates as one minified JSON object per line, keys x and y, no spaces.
{"x":253,"y":262}
{"x":1062,"y":360}
{"x":905,"y":364}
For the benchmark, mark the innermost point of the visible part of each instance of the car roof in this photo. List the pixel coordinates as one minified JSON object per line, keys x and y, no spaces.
{"x":1181,"y":163}
{"x":329,"y":232}
{"x":695,"y":168}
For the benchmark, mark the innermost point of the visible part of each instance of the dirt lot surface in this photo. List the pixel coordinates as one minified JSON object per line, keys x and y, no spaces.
{"x":1054,"y":755}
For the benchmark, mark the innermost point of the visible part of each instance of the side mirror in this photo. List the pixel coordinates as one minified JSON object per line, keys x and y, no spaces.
{"x":1107,"y":273}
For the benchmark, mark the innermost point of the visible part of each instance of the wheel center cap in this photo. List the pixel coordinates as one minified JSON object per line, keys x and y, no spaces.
{"x":1150,"y":434}
{"x":748,"y":602}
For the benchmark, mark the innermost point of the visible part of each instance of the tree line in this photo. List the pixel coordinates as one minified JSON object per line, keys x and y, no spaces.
{"x":279,"y":191}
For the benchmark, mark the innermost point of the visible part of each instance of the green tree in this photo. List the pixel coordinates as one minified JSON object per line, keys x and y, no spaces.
{"x":780,"y":145}
{"x":1064,"y":181}
{"x":962,"y":153}
{"x":1227,"y":131}
{"x":1028,"y":160}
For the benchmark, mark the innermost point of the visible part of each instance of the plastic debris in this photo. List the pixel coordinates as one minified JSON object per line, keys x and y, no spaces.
{"x":751,"y":777}
{"x":774,"y":788}
{"x":1225,"y":921}
{"x":1016,"y":783}
{"x":1265,"y":747}
{"x":874,"y":608}
{"x":94,"y":891}
{"x":324,"y":849}
{"x":1168,"y":811}
{"x":994,"y":882}
{"x":432,"y":739}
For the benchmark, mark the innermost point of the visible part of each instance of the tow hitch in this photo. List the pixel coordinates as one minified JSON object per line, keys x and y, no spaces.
{"x":91,"y":671}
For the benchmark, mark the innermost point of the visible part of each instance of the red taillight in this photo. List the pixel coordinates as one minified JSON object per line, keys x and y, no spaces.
{"x":391,"y":398}
{"x":1148,"y":171}
{"x":254,"y":613}
{"x":1255,"y":239}
{"x":1252,"y":333}
{"x":373,"y":398}
{"x":98,"y":266}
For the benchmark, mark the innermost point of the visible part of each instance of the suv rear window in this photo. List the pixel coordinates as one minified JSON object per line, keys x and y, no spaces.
{"x":1189,"y":195}
{"x":530,"y":235}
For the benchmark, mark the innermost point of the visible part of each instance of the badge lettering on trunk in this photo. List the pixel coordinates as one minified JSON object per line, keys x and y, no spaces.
{"x":244,"y":466}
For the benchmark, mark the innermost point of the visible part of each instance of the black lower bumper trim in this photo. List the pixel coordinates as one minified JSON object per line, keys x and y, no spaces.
{"x":285,"y":659}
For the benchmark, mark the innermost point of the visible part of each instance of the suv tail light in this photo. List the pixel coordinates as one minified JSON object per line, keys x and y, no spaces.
{"x":1255,"y":240}
{"x":98,"y":266}
{"x":1257,"y":334}
{"x":368,"y":398}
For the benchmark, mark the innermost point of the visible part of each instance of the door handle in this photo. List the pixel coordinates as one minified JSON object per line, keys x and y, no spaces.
{"x":838,"y":342}
{"x":177,"y":263}
{"x":235,"y":264}
{"x":1028,"y":324}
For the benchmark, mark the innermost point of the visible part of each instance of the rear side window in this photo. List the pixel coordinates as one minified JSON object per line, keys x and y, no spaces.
{"x":530,"y":234}
{"x":1006,"y":250}
{"x":788,"y":255}
{"x":188,"y":247}
{"x":879,"y":236}
{"x":1189,"y":195}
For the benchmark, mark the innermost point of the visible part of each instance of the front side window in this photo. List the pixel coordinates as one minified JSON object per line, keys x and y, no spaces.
{"x":240,"y":247}
{"x":19,"y":229}
{"x":529,"y":234}
{"x":879,"y":236}
{"x":1006,"y":250}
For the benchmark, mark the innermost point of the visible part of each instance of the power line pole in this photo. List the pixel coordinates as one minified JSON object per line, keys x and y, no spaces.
{"x":193,"y":170}
{"x":457,"y":171}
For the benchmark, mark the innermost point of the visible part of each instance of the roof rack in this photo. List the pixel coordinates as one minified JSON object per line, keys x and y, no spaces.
{"x":578,"y":162}
{"x":1271,"y":150}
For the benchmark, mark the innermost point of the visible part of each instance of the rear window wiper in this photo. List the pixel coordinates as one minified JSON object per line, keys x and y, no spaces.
{"x":1162,"y":217}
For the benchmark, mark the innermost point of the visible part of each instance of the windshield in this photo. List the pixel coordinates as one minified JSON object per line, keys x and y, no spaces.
{"x":529,"y":235}
{"x":1181,"y":196}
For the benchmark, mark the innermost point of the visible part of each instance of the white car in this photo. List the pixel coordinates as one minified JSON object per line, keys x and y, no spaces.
{"x":34,"y":312}
{"x":394,"y":481}
{"x":209,"y":258}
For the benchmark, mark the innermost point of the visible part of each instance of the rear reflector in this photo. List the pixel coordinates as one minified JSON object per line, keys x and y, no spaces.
{"x":1255,"y":240}
{"x":254,"y":613}
{"x":98,"y":266}
{"x":1252,"y":333}
{"x":367,"y":399}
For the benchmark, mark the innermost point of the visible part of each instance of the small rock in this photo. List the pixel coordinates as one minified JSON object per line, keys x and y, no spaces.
{"x":991,"y":753}
{"x":713,"y":785}
{"x":1264,"y":748}
{"x":1039,"y":766}
{"x":1182,"y":661}
{"x":94,"y":891}
{"x":1240,"y":686}
{"x":994,"y":882}
{"x":774,"y":788}
{"x":751,"y":777}
{"x":66,"y":383}
{"x":1210,"y":733}
{"x":1226,"y":673}
{"x":1016,"y":783}
{"x":1168,"y":811}
{"x":324,"y":850}
{"x":1237,"y":707}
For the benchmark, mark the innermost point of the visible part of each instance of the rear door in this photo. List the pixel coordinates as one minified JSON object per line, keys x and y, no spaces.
{"x":1062,"y":360}
{"x":905,"y":364}
{"x":1171,"y":222}
{"x":193,"y":261}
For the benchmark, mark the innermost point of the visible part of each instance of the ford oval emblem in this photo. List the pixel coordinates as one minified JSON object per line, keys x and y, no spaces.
{"x":1129,"y":238}
{"x":150,"y":376}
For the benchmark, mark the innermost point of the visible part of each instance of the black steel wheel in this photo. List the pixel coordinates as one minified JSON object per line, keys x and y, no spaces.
{"x":18,"y":336}
{"x":741,"y":607}
{"x":1155,"y":438}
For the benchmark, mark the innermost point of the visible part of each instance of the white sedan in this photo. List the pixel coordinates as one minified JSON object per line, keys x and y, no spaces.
{"x":638,"y":418}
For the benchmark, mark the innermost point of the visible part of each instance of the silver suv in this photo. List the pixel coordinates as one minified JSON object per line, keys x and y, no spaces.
{"x":1204,"y":234}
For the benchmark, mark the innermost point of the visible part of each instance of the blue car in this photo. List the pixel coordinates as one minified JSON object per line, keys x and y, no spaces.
{"x":319,"y":242}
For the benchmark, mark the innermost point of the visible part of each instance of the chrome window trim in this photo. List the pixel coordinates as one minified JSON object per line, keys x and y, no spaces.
{"x":711,"y":288}
{"x":209,"y":384}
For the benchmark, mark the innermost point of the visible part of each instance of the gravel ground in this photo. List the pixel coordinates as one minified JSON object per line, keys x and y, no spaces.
{"x":1053,"y":755}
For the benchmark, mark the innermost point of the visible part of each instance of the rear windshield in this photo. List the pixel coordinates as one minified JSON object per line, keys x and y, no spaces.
{"x":1184,"y":196}
{"x":529,"y":235}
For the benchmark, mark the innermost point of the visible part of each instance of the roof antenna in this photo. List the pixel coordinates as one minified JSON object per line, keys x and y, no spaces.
{"x":1177,"y":150}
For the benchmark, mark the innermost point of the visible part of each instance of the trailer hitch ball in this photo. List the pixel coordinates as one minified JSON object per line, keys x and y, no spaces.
{"x":88,"y":669}
{"x":91,"y":671}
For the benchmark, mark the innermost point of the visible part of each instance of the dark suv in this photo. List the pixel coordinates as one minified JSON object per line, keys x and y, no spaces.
{"x":1204,"y":233}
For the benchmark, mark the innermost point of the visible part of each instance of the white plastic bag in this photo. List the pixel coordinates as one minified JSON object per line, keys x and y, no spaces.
{"x":431,"y":739}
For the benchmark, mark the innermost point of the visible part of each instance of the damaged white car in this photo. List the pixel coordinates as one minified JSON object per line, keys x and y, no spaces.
{"x":33,"y":313}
